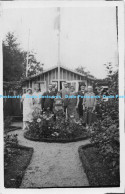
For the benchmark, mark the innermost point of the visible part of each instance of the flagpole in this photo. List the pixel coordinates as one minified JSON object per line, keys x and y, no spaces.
{"x":117,"y":32}
{"x":27,"y":55}
{"x":117,"y":21}
{"x":58,"y":9}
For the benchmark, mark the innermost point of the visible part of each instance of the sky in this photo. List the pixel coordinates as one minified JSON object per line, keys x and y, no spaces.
{"x":87,"y":36}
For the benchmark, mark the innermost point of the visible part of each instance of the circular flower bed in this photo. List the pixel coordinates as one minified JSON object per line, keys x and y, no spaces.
{"x":51,"y":128}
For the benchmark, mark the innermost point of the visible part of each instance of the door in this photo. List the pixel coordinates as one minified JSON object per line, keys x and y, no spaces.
{"x":62,"y":84}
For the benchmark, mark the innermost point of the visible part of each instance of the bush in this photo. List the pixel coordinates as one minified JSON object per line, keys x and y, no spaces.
{"x":105,"y":136}
{"x":56,"y":127}
{"x":10,"y":141}
{"x":105,"y":132}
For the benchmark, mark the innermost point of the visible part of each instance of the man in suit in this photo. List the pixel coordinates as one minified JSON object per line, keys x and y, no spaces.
{"x":47,"y":103}
{"x":80,"y":100}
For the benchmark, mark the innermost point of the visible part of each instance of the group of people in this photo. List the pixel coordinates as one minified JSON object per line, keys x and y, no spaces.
{"x":74,"y":104}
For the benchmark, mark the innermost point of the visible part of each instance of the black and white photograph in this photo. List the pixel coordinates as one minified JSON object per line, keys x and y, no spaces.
{"x":60,"y":80}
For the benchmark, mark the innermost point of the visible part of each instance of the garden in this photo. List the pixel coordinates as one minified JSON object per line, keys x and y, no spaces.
{"x":56,"y":128}
{"x":100,"y":158}
{"x":16,"y":157}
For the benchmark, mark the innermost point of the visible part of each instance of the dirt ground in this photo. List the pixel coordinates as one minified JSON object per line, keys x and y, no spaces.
{"x":53,"y":164}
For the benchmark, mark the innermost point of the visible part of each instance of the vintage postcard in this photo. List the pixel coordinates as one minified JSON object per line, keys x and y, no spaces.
{"x":62,"y":96}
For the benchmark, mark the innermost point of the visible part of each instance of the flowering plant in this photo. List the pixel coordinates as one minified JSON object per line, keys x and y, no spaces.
{"x":105,"y":131}
{"x":49,"y":125}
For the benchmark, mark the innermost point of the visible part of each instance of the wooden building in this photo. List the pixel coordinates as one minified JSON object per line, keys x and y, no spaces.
{"x":51,"y":76}
{"x":13,"y":107}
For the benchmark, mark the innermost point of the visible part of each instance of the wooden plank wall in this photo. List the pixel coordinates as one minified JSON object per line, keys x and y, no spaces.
{"x":53,"y":75}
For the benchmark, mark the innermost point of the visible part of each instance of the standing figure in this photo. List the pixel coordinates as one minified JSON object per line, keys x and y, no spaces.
{"x":36,"y":100}
{"x":47,"y":100}
{"x":72,"y":104}
{"x":89,"y":104}
{"x":54,"y":88}
{"x":27,"y":108}
{"x":65,"y":91}
{"x":58,"y":103}
{"x":80,"y":100}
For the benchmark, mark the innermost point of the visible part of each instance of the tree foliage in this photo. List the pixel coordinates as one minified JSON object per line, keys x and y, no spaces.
{"x":83,"y":70}
{"x":34,"y":67}
{"x":15,"y":60}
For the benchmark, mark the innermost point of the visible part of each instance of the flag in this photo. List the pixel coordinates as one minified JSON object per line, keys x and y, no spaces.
{"x":57,"y":20}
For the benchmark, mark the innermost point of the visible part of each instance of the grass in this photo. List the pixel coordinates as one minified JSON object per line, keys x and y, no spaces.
{"x":14,"y":172}
{"x":99,"y":175}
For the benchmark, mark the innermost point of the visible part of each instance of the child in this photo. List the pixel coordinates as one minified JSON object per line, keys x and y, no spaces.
{"x":58,"y":103}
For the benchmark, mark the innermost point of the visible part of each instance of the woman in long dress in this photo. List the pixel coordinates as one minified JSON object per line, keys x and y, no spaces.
{"x":37,"y":100}
{"x":27,"y":108}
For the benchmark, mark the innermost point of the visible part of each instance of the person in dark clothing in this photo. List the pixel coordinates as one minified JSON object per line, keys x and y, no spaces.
{"x":47,"y":100}
{"x":80,"y":100}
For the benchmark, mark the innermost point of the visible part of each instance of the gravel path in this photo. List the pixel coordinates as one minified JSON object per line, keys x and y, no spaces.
{"x":53,"y":164}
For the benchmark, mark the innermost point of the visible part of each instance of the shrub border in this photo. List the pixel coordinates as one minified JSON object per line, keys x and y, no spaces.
{"x":49,"y":140}
{"x":26,"y":165}
{"x":86,"y":164}
{"x":82,"y":157}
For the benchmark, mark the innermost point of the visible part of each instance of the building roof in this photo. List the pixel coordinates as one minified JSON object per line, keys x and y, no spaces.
{"x":63,"y":67}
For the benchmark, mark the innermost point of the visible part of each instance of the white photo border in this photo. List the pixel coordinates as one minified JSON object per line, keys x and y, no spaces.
{"x":40,"y":4}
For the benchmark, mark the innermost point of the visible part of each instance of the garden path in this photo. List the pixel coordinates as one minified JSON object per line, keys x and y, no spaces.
{"x":53,"y":164}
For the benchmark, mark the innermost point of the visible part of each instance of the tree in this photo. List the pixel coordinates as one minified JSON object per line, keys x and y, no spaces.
{"x":109,"y":69}
{"x":15,"y":60}
{"x":34,"y":67}
{"x":81,"y":69}
{"x":112,"y":78}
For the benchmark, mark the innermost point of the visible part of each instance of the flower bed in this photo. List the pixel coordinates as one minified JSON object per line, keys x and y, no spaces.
{"x":51,"y":128}
{"x":16,"y":160}
{"x":98,"y":173}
